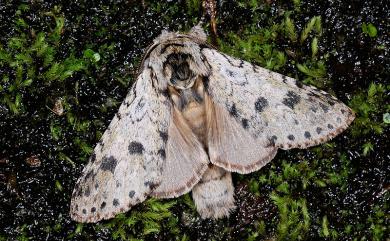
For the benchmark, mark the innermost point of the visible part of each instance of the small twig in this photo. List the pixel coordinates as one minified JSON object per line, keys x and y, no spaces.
{"x":210,"y":9}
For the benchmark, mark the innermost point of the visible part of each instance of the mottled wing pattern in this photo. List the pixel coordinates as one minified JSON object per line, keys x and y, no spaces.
{"x":186,"y":160}
{"x":127,"y":163}
{"x":270,"y":105}
{"x":231,"y":146}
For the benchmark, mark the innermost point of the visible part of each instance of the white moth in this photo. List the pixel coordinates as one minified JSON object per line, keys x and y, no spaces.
{"x":194,"y":116}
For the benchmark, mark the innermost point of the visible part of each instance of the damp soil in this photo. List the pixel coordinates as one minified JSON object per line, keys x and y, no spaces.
{"x":35,"y":185}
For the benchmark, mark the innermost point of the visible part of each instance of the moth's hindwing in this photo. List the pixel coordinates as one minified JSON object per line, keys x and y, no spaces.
{"x":275,"y":109}
{"x":231,"y":146}
{"x":186,"y":160}
{"x":127,"y":162}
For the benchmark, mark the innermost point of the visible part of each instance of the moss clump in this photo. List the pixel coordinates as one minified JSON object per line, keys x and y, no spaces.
{"x":30,"y":61}
{"x":370,"y":105}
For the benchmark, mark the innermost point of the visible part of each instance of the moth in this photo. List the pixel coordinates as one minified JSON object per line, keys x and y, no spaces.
{"x":194,"y":116}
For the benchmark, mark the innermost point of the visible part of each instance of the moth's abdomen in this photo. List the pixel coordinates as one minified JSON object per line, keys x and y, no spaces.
{"x":213,"y":195}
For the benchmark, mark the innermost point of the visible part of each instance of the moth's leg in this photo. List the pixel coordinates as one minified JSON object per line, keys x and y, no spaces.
{"x":213,"y":195}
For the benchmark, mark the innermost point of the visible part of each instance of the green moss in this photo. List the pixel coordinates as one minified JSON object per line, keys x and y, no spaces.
{"x":259,"y":45}
{"x":289,"y":182}
{"x":149,"y":219}
{"x":370,"y":105}
{"x":369,"y":29}
{"x":32,"y":60}
{"x":289,"y":29}
{"x":194,"y":7}
{"x":294,"y":219}
{"x":314,"y":24}
{"x":23,"y":236}
{"x":256,"y":45}
{"x":378,"y":225}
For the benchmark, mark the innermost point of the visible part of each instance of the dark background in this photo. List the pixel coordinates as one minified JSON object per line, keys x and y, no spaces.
{"x":87,"y":62}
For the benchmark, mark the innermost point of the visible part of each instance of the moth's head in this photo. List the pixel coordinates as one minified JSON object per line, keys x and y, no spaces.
{"x":178,"y":71}
{"x":176,"y":59}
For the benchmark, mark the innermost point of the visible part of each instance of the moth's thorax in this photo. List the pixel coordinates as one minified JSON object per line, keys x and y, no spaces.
{"x":190,"y":103}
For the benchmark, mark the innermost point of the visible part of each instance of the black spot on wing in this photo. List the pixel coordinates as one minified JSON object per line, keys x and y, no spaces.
{"x":115,"y":202}
{"x":233,"y":111}
{"x":319,"y":130}
{"x":291,"y":100}
{"x":245,"y":123}
{"x":140,"y":105}
{"x":260,"y":104}
{"x":131,"y":194}
{"x":103,"y":205}
{"x":108,"y":164}
{"x":291,"y":137}
{"x":87,"y":192}
{"x":164,"y":136}
{"x":324,"y":107}
{"x":307,"y":135}
{"x":150,"y":184}
{"x":230,"y":73}
{"x":162,"y":153}
{"x":136,"y":147}
{"x":314,"y":109}
{"x":93,"y":209}
{"x":330,"y":127}
{"x":84,"y":211}
{"x":273,"y":139}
